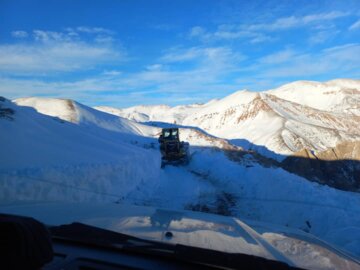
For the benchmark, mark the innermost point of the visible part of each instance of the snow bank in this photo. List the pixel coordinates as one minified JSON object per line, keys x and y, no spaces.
{"x":48,"y":159}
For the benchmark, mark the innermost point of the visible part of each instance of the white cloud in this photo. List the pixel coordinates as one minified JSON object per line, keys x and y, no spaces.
{"x":255,"y":33}
{"x":154,"y":67}
{"x":202,"y":55}
{"x":46,"y":36}
{"x":166,"y":87}
{"x":298,"y":21}
{"x":52,"y":51}
{"x":355,"y":25}
{"x":341,"y":61}
{"x":322,"y":36}
{"x":65,"y":56}
{"x":112,"y":73}
{"x":197,"y":31}
{"x":181,"y":55}
{"x":104,"y":39}
{"x":193,"y":84}
{"x":226,"y":32}
{"x":19,"y":34}
{"x":259,"y":38}
{"x":324,"y":16}
{"x":94,"y":30}
{"x":278,"y":57}
{"x":98,"y":34}
{"x":67,"y":51}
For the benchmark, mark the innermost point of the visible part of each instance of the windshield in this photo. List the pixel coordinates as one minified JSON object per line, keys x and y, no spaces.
{"x":247,"y":110}
{"x":167,"y":134}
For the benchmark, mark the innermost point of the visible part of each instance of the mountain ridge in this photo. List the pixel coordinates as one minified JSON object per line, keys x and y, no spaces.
{"x":271,"y":118}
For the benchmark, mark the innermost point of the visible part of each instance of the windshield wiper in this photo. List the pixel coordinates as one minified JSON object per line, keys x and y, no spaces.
{"x":89,"y":235}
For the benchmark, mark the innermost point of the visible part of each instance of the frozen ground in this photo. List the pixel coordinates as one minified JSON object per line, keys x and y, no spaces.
{"x":101,"y":157}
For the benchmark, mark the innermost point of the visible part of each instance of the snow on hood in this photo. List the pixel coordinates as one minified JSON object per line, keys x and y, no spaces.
{"x":226,"y":234}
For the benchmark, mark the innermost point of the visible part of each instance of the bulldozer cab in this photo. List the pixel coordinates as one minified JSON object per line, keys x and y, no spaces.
{"x":169,"y":134}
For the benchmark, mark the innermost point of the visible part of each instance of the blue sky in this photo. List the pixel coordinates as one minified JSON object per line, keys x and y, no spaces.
{"x":122,"y":53}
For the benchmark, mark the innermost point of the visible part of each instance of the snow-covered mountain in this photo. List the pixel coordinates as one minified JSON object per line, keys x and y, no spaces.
{"x":71,"y":111}
{"x":148,"y":113}
{"x":299,"y":115}
{"x":96,"y":121}
{"x":341,"y":95}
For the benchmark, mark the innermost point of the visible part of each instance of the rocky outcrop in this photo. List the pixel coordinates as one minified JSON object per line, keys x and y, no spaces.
{"x":5,"y":112}
{"x":338,"y":167}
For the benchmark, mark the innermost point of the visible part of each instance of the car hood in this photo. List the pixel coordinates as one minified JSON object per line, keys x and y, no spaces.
{"x":226,"y":234}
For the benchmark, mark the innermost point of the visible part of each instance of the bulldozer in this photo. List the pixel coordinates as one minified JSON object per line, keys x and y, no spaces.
{"x":173,"y":151}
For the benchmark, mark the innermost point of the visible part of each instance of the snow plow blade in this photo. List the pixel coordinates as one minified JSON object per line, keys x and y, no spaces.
{"x":176,"y":162}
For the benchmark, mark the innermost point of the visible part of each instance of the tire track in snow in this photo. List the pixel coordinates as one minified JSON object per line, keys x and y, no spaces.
{"x":233,"y":199}
{"x":175,"y":188}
